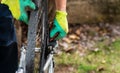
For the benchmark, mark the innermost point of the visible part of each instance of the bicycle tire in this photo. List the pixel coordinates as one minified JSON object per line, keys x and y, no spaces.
{"x":32,"y":30}
{"x":45,"y":35}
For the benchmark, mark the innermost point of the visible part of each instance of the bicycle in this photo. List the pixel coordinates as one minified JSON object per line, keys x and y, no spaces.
{"x":38,"y":18}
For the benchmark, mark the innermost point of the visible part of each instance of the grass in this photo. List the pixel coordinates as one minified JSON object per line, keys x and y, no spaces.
{"x":106,"y":60}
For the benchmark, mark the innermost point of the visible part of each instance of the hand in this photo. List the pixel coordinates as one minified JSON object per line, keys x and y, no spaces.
{"x":60,"y":25}
{"x":17,"y":8}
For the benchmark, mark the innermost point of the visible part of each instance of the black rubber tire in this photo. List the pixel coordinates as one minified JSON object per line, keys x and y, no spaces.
{"x":32,"y":30}
{"x":45,"y":35}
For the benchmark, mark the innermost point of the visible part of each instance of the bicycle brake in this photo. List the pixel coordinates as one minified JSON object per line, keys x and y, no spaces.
{"x":53,"y":45}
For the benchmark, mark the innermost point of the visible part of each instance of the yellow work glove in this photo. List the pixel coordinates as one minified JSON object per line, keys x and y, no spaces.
{"x":60,"y":25}
{"x":17,"y":8}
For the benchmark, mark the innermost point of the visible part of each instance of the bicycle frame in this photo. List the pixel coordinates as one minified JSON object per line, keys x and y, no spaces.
{"x":50,"y":60}
{"x":49,"y":63}
{"x":22,"y":64}
{"x":28,"y":53}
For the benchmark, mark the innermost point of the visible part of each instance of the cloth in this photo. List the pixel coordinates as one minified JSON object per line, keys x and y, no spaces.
{"x":60,"y":25}
{"x":7,"y":31}
{"x":18,"y":8}
{"x":8,"y":58}
{"x":8,"y":43}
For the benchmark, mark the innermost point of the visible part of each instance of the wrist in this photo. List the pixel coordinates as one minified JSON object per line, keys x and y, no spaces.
{"x":61,"y":9}
{"x":59,"y":12}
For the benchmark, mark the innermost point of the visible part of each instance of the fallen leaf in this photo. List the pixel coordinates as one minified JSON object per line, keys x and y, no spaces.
{"x":67,"y":40}
{"x":74,"y":37}
{"x":71,"y":50}
{"x":78,"y":31}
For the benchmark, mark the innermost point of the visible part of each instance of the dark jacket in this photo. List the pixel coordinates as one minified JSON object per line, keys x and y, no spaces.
{"x":7,"y":31}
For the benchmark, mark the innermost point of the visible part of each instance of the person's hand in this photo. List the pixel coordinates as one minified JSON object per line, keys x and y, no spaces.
{"x":60,"y":25}
{"x":17,"y":8}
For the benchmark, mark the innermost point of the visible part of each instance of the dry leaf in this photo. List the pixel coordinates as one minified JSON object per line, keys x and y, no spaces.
{"x":78,"y":31}
{"x":67,"y":40}
{"x":74,"y":37}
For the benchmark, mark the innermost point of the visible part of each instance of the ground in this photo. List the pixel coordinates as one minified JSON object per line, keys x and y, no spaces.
{"x":89,"y":49}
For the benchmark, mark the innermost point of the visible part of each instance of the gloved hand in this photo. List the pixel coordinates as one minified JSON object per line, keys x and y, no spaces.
{"x":17,"y":8}
{"x":60,"y":25}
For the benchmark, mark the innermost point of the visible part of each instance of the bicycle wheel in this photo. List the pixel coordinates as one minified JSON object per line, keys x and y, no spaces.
{"x":44,"y":35}
{"x":32,"y":30}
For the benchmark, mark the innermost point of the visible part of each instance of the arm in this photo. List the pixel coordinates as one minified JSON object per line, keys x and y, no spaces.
{"x":60,"y":22}
{"x":61,"y":5}
{"x":18,"y":8}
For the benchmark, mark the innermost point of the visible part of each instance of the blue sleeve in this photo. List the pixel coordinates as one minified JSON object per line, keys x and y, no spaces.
{"x":7,"y":31}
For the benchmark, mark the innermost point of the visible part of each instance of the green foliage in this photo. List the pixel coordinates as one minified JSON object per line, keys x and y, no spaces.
{"x":116,"y":44}
{"x":68,"y":59}
{"x":86,"y":68}
{"x":106,"y":60}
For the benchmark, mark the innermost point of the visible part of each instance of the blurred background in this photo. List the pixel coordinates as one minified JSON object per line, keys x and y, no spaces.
{"x":93,"y":42}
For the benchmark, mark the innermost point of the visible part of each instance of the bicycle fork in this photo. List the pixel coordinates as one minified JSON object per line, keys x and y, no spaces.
{"x":49,"y":63}
{"x":22,"y":64}
{"x":50,"y":60}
